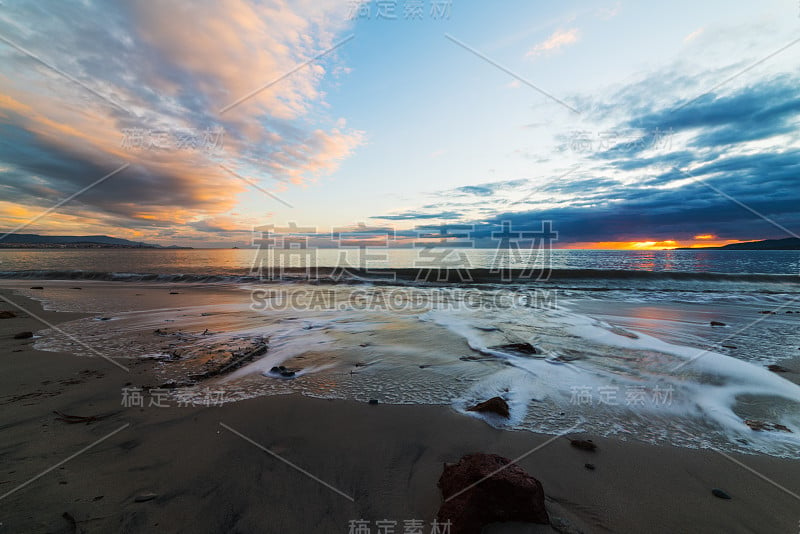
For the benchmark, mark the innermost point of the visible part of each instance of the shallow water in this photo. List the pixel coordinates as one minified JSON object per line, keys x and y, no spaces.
{"x":237,"y":262}
{"x":646,"y":369}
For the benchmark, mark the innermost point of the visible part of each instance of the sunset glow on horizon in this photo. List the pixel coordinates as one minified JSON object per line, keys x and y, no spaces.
{"x":648,"y":245}
{"x":276,"y":112}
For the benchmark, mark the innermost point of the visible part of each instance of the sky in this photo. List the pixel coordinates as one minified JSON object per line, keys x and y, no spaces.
{"x":627,"y":124}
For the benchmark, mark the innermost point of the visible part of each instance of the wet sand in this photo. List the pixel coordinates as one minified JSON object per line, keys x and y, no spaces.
{"x":358,"y":461}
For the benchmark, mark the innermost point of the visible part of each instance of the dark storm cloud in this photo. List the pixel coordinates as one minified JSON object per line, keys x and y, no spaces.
{"x":674,"y":192}
{"x":754,"y":112}
{"x":669,"y":202}
{"x":766,"y":183}
{"x":43,"y":172}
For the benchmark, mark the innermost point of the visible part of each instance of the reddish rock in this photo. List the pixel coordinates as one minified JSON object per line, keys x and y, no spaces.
{"x":502,"y":492}
{"x":493,"y":405}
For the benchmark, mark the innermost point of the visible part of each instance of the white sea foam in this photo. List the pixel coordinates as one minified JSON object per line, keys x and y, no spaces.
{"x":453,"y":357}
{"x":705,"y":387}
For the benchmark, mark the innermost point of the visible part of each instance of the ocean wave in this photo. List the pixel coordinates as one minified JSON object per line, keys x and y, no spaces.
{"x":410,"y":275}
{"x":126,"y":277}
{"x":612,"y":377}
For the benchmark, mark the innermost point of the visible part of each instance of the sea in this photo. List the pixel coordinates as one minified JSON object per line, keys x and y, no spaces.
{"x":682,"y":348}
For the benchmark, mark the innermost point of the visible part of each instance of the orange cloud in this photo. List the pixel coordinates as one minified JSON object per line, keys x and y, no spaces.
{"x":75,"y":139}
{"x":558,"y":39}
{"x":244,"y":47}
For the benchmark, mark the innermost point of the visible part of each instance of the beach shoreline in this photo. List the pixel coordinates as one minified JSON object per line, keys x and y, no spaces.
{"x":209,"y":473}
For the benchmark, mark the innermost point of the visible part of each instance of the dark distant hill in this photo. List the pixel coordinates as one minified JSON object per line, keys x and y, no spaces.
{"x":790,"y":243}
{"x":68,"y":241}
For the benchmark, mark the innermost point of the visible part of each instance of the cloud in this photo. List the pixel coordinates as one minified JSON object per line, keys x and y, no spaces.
{"x":756,"y":111}
{"x":220,"y":224}
{"x":694,"y":35}
{"x":607,"y":13}
{"x":416,"y":215}
{"x":558,"y":40}
{"x":490,"y":188}
{"x":742,"y":141}
{"x":165,"y":69}
{"x":476,"y":190}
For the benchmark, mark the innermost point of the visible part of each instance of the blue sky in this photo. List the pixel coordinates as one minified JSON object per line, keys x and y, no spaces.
{"x":665,"y":121}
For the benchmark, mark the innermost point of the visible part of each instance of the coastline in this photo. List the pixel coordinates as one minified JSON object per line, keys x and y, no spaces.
{"x":386,"y":457}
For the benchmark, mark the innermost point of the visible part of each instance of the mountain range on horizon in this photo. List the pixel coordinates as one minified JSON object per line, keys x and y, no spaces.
{"x":104,"y":241}
{"x":23,"y":240}
{"x":789,"y":243}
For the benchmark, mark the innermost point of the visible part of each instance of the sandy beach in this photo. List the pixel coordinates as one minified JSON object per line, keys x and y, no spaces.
{"x":399,"y":267}
{"x":326,"y":463}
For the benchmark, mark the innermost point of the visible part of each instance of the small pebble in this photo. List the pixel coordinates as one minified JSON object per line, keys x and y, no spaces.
{"x":590,"y":467}
{"x":373,"y":401}
{"x":721,"y":494}
{"x":144,"y":497}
